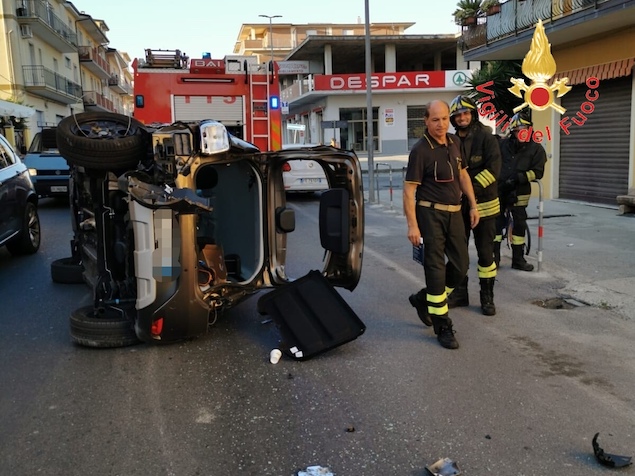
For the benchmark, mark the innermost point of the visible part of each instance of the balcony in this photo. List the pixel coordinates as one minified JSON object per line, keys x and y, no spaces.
{"x":95,"y":101}
{"x":507,"y":35}
{"x":39,"y":20}
{"x":118,"y":86}
{"x":90,"y":58}
{"x":48,"y":84}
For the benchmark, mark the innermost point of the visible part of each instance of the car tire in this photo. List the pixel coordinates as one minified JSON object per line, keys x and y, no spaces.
{"x":28,"y":240}
{"x":67,"y":271}
{"x":111,"y":330}
{"x":102,"y":140}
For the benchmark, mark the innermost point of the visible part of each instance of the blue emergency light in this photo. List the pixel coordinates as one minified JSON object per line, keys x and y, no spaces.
{"x":274,"y":102}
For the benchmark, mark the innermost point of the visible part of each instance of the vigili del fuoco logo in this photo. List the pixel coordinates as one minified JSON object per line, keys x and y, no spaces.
{"x":540,"y":66}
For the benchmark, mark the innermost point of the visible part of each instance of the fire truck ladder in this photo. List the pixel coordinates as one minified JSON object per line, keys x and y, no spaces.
{"x":260,"y":120}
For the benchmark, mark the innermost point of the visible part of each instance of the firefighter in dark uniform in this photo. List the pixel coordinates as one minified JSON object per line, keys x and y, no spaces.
{"x":523,"y":161}
{"x":435,"y":179}
{"x":482,"y":157}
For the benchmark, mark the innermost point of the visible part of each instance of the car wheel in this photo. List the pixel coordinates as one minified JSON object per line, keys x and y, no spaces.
{"x":67,"y":271}
{"x":110,"y":330}
{"x":102,"y":140}
{"x":28,"y":241}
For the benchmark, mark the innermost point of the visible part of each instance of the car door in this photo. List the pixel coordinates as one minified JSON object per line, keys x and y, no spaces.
{"x":11,"y":170}
{"x":340,"y":215}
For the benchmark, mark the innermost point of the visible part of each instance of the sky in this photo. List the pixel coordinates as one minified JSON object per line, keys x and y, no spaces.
{"x":197,"y":26}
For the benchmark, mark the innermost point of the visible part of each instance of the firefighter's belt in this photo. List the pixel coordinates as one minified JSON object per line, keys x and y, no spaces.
{"x":439,"y":206}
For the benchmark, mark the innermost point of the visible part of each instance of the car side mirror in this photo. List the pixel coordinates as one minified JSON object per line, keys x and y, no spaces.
{"x":334,"y":220}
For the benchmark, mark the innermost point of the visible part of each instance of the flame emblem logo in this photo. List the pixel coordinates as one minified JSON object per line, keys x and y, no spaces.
{"x":539,"y":66}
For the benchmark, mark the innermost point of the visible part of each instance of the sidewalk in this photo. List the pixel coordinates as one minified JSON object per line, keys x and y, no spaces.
{"x":590,"y":247}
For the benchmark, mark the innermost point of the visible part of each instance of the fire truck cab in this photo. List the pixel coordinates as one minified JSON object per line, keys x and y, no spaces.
{"x":236,"y":91}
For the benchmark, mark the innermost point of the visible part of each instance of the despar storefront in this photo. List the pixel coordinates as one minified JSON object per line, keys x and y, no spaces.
{"x":338,"y":107}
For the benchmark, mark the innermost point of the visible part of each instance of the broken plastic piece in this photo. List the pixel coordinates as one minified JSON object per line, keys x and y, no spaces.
{"x":316,"y":471}
{"x":444,"y":467}
{"x":607,"y":459}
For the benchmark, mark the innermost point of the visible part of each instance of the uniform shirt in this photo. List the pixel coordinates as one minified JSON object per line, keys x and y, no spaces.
{"x":436,"y":169}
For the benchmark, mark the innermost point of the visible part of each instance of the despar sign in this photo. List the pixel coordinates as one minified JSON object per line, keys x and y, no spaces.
{"x":379,"y":81}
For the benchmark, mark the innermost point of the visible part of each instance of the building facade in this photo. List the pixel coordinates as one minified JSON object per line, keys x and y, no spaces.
{"x":55,"y":60}
{"x":323,"y":73}
{"x":591,"y":141}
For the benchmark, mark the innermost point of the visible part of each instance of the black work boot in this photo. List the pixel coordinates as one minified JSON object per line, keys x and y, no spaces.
{"x":518,"y":259}
{"x":459,"y":297}
{"x":497,"y":253}
{"x":445,"y":333}
{"x":419,"y":302}
{"x":487,"y":296}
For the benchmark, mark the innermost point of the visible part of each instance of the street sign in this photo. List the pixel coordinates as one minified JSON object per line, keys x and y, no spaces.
{"x":296,"y":127}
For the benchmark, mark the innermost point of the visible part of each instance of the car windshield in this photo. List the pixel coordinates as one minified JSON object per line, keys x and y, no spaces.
{"x":44,"y":143}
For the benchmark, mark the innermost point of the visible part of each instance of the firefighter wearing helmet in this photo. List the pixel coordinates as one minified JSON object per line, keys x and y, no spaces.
{"x":523,"y":162}
{"x":481,"y":153}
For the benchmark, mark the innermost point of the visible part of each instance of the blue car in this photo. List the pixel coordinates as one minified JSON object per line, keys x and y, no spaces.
{"x":48,"y":169}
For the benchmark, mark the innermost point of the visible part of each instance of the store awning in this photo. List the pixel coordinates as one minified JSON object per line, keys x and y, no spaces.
{"x":16,"y":110}
{"x":612,"y":70}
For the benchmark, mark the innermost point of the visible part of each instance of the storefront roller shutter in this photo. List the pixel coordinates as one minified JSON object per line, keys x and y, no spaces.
{"x":594,"y":156}
{"x":228,"y":110}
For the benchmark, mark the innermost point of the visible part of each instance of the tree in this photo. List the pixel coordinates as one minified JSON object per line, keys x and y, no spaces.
{"x":499,"y":73}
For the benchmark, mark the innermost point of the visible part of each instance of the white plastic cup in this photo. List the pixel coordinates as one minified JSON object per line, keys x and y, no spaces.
{"x":274,"y":356}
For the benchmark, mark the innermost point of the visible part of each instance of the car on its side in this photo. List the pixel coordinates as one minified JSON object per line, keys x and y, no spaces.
{"x":303,"y":175}
{"x":175,"y":223}
{"x":48,"y":169}
{"x":19,"y":219}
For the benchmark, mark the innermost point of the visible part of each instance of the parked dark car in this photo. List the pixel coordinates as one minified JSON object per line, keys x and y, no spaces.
{"x":174,"y":224}
{"x":19,"y":219}
{"x":48,"y":169}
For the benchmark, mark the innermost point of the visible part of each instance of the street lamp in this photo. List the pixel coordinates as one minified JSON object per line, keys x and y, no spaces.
{"x":271,"y":17}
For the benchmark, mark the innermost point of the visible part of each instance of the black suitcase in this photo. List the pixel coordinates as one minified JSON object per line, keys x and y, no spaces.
{"x":311,"y":315}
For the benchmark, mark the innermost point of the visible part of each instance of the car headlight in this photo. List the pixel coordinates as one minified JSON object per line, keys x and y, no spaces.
{"x":214,"y":137}
{"x":32,"y":172}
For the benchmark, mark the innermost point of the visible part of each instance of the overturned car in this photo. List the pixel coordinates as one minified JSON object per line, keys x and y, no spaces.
{"x":175,"y":223}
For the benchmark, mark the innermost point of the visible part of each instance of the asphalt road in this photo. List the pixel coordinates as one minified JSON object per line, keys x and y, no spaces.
{"x":524,"y":394}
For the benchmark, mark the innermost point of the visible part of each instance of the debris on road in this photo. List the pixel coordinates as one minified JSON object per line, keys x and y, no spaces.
{"x":316,"y":471}
{"x":444,"y":467}
{"x":607,"y":459}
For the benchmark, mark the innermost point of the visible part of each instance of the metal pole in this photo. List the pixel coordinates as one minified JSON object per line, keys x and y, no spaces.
{"x":369,"y":110}
{"x":540,"y":216}
{"x":271,"y":17}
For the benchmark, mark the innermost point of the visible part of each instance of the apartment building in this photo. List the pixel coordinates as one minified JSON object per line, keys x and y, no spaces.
{"x":591,"y":143}
{"x":322,"y":70}
{"x":56,"y":61}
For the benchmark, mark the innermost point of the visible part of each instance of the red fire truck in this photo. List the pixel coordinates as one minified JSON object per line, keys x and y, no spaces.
{"x":236,"y":91}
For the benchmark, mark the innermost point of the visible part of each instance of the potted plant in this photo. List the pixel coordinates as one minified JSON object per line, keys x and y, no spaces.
{"x":491,"y":7}
{"x":467,"y":11}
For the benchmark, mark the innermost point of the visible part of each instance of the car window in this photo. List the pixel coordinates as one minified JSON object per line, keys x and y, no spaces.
{"x":6,"y":156}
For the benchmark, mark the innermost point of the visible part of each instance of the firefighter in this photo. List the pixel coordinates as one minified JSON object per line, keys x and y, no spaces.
{"x":481,"y":152}
{"x":523,"y":162}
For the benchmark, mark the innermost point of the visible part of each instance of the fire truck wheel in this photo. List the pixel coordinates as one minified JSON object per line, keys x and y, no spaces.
{"x":102,"y":140}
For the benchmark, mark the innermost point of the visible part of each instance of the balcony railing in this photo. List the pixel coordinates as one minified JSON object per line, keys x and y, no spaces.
{"x":517,"y":16}
{"x":115,"y":83}
{"x":41,"y":17}
{"x":91,"y":58}
{"x":97,"y":100}
{"x":46,"y":83}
